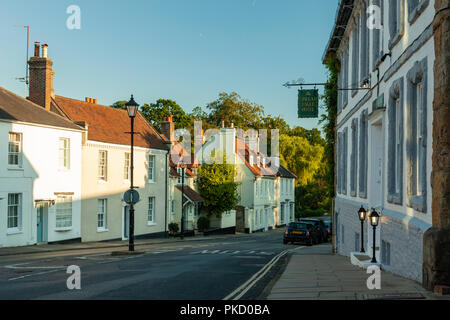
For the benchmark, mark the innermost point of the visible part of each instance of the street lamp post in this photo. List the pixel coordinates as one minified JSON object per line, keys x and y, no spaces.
{"x":132,"y":108}
{"x":362,"y":217}
{"x":374,"y":220}
{"x":182,"y":201}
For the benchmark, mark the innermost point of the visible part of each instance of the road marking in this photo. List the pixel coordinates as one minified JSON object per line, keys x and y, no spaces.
{"x":244,"y":288}
{"x":36,"y":274}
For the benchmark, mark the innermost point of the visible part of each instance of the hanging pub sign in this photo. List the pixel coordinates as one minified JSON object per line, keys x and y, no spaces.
{"x":308,"y":103}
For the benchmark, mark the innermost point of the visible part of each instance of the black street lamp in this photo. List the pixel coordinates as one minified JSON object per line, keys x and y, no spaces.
{"x":374,"y":220}
{"x":362,"y":217}
{"x":132,"y":108}
{"x":182,"y":200}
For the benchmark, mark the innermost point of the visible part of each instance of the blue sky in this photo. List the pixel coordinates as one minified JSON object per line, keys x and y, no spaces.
{"x":185,"y":50}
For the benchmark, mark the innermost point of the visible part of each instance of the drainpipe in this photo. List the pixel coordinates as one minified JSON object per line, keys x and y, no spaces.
{"x":167,"y":196}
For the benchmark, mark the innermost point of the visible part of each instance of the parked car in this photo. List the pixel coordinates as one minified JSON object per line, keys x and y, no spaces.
{"x":328,"y":223}
{"x":320,"y":227}
{"x":301,"y":232}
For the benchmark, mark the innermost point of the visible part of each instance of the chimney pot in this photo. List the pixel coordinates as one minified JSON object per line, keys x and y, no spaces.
{"x":37,"y":46}
{"x":44,"y":51}
{"x":95,"y":101}
{"x":86,"y":99}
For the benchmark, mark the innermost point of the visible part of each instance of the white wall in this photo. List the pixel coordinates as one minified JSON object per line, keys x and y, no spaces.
{"x":39,"y":178}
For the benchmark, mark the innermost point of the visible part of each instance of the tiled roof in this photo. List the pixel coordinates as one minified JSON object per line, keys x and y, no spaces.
{"x":255,"y":169}
{"x":191,"y":194}
{"x":16,"y":108}
{"x":109,"y":125}
{"x":286,"y":173}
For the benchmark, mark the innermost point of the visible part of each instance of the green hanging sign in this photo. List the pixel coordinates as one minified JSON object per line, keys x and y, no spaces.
{"x":308,"y":103}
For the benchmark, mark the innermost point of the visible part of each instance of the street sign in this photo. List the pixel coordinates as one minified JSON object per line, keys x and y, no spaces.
{"x":131,"y":197}
{"x":378,"y":103}
{"x":308,"y":103}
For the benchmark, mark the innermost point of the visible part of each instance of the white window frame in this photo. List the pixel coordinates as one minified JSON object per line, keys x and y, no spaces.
{"x":18,"y":214}
{"x":102,"y":212}
{"x":127,"y":166}
{"x":63,"y":220}
{"x":103,"y":165}
{"x":151,"y":211}
{"x":17,"y":144}
{"x":64,"y":153}
{"x":151,"y":168}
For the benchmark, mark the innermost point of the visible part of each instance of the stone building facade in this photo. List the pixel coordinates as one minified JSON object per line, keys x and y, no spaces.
{"x":390,"y":137}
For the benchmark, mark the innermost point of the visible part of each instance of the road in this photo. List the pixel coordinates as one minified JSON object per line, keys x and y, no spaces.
{"x":191,"y":270}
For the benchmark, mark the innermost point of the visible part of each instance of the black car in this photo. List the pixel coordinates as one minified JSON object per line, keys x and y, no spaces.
{"x":301,"y":232}
{"x":319,"y":226}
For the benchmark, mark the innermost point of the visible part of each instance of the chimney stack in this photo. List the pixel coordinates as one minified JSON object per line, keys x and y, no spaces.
{"x":168,"y":128}
{"x":41,"y":77}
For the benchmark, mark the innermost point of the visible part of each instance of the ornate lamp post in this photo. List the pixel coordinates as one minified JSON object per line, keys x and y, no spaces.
{"x":182,"y":199}
{"x":374,"y":220}
{"x":132,"y":108}
{"x":362,"y":217}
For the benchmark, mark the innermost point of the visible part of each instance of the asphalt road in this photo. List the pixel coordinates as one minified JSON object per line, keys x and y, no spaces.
{"x":194,"y":270}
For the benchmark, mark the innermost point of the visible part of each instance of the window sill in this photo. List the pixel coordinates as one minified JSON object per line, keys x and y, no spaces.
{"x":396,"y":39}
{"x":418,"y":203}
{"x":15,"y":168}
{"x":151,"y":181}
{"x":14,"y":231}
{"x":151,"y":224}
{"x":102,"y":230}
{"x":102,"y":181}
{"x":63,"y":229}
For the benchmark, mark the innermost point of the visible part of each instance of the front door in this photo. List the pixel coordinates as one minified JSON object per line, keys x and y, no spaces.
{"x":40,"y":224}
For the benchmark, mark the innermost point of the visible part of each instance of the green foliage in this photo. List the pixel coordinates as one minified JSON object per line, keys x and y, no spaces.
{"x":119,"y":104}
{"x":301,"y":157}
{"x":243,"y":113}
{"x":202,"y":224}
{"x":173,"y":227}
{"x":218,"y":188}
{"x":328,"y":120}
{"x":155,"y":113}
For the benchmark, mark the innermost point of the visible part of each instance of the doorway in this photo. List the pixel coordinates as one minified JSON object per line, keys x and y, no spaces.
{"x":41,"y":224}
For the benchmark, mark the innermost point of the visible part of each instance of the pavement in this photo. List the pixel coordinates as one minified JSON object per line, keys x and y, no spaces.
{"x":314,"y":273}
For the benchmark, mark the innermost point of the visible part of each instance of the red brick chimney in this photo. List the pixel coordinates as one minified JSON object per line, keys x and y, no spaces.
{"x":41,"y":77}
{"x":168,"y":128}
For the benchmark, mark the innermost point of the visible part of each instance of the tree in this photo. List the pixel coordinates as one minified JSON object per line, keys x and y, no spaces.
{"x":301,"y":157}
{"x":217,"y":186}
{"x":155,"y":113}
{"x":119,"y":104}
{"x":243,"y":113}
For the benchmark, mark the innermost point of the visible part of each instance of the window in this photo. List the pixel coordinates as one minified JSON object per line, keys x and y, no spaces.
{"x":363,"y":154}
{"x":415,"y":8}
{"x":102,"y":165}
{"x":228,"y":213}
{"x":101,"y":214}
{"x":180,"y":175}
{"x":126,"y":166}
{"x":416,"y":131}
{"x":354,"y":163}
{"x":282,"y":214}
{"x":64,"y":153}
{"x":396,"y":23}
{"x":14,"y":211}
{"x":15,"y":149}
{"x":173,"y":207}
{"x":395,"y":143}
{"x":377,"y":37}
{"x":355,"y":58}
{"x":344,"y":161}
{"x":63,"y":212}
{"x":346,"y":76}
{"x":151,"y":168}
{"x":151,"y":210}
{"x":364,"y":61}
